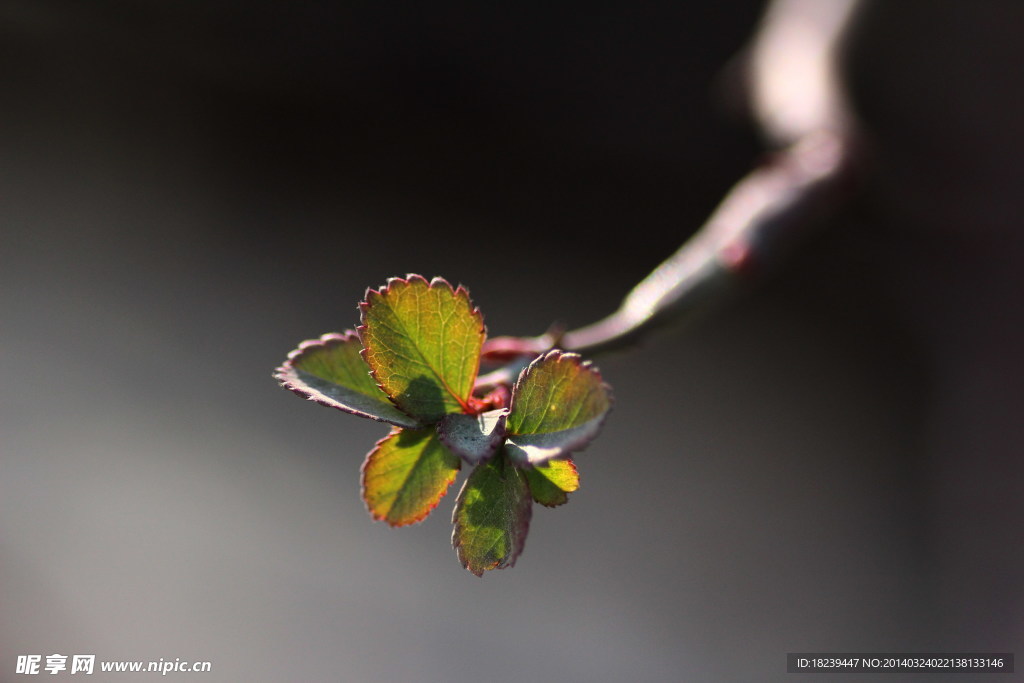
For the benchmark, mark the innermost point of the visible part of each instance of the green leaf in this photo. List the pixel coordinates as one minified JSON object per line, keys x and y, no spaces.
{"x":551,"y":482}
{"x":406,"y":475}
{"x":558,"y":406}
{"x":492,"y":517}
{"x":422,"y":342}
{"x":330,"y":371}
{"x":474,"y":438}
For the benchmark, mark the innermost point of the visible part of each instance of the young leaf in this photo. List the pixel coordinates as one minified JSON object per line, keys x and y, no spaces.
{"x":330,"y":371}
{"x":474,"y":438}
{"x":406,"y":475}
{"x":551,"y":482}
{"x":422,"y":342}
{"x":558,"y":405}
{"x":492,"y":517}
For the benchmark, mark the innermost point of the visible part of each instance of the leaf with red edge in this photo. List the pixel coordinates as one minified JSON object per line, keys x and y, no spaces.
{"x":552,"y":482}
{"x":331,"y":371}
{"x":492,"y":516}
{"x":558,"y":406}
{"x":406,"y":475}
{"x":422,"y":342}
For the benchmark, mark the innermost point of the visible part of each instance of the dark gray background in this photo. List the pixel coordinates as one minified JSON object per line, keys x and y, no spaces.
{"x":187,"y":190}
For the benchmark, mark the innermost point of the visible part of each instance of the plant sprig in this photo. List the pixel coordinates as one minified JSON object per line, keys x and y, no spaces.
{"x":414,"y":363}
{"x":420,"y":346}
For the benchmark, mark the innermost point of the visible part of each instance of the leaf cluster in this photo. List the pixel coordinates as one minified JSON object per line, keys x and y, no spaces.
{"x":414,"y":364}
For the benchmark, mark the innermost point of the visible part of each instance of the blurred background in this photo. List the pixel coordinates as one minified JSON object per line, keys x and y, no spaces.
{"x":187,"y":190}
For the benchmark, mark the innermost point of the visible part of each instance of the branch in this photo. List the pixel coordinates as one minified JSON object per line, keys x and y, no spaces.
{"x":759,"y":220}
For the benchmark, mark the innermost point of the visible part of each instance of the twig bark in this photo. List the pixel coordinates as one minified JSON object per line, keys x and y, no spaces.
{"x":760,"y":219}
{"x":796,"y":98}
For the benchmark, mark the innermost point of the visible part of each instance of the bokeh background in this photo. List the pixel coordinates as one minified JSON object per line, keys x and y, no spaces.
{"x":187,"y":190}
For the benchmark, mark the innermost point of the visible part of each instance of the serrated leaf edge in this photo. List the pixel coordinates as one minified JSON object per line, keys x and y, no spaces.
{"x":522,"y":529}
{"x":287,"y":377}
{"x":380,"y":518}
{"x":559,"y":356}
{"x":436,"y":281}
{"x":565,"y":493}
